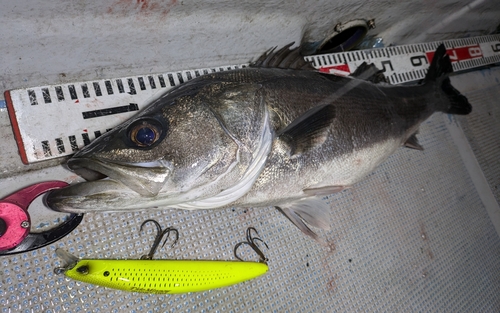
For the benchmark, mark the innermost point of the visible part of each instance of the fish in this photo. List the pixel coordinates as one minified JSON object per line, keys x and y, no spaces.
{"x":277,"y":133}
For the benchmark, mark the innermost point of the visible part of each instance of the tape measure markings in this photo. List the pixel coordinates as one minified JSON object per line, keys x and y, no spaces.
{"x":408,"y":63}
{"x":84,"y":111}
{"x":110,"y":111}
{"x":105,"y":97}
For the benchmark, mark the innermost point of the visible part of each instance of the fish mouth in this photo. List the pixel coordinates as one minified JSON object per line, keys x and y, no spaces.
{"x":146,"y":179}
{"x":86,"y":172}
{"x":108,"y":181}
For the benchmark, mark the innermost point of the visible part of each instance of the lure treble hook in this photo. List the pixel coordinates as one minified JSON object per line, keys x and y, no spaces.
{"x":159,"y":236}
{"x":251,"y":241}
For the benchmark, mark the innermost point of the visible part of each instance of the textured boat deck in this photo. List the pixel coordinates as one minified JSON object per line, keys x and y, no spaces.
{"x":417,"y":235}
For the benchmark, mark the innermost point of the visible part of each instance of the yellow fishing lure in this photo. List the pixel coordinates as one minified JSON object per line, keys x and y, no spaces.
{"x":164,"y":276}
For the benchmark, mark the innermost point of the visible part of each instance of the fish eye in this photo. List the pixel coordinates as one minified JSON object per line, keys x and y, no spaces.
{"x":145,"y":133}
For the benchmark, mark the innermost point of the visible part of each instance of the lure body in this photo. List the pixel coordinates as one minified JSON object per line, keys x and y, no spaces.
{"x":164,"y":276}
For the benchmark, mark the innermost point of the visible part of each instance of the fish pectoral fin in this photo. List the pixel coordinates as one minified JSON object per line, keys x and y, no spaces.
{"x":412,"y":143}
{"x":369,"y":72}
{"x":309,"y":130}
{"x":313,"y":211}
{"x":324,"y":191}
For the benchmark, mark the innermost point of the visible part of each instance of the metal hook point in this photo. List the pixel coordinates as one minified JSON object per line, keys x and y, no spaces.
{"x":158,"y":227}
{"x":251,"y":241}
{"x":167,"y":232}
{"x":159,"y":236}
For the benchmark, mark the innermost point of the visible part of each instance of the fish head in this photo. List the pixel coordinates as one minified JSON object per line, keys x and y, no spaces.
{"x":184,"y":146}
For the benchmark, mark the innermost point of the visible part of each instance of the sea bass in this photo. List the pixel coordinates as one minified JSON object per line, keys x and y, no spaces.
{"x":273,"y":134}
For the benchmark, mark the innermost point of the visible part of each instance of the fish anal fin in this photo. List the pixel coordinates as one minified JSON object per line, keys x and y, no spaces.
{"x":297,"y":221}
{"x":324,"y":191}
{"x":312,"y":211}
{"x":309,"y":130}
{"x":413,"y":143}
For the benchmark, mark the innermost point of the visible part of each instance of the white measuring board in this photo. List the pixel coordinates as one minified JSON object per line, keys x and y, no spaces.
{"x":57,"y":120}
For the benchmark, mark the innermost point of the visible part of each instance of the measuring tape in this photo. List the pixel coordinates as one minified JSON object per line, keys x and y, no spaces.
{"x":408,"y":63}
{"x":57,"y":120}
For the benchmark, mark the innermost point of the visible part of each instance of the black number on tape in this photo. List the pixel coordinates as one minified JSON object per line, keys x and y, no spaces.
{"x":389,"y":64}
{"x":496,"y":47}
{"x":417,"y":60}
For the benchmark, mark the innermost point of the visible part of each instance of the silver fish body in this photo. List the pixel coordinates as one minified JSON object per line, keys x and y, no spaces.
{"x":256,"y":137}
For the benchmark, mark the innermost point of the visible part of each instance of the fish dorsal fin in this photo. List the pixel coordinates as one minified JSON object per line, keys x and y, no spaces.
{"x":412,"y":143}
{"x":284,"y":58}
{"x":308,"y":130}
{"x":369,"y":72}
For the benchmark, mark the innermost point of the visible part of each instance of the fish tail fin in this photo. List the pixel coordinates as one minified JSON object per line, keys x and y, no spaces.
{"x":437,"y":74}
